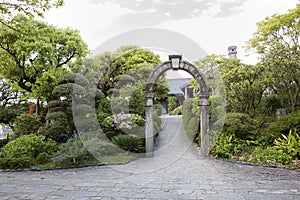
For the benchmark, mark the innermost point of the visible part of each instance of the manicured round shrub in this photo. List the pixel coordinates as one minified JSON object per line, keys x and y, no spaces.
{"x":29,"y":146}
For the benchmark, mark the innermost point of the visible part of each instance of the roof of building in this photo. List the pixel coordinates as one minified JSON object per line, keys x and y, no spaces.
{"x":176,"y":84}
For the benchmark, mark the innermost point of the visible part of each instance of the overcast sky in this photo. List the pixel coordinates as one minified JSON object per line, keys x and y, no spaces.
{"x":211,"y":24}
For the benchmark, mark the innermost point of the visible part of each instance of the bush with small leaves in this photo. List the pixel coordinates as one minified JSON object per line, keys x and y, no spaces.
{"x":26,"y":124}
{"x":29,"y":146}
{"x":15,"y":163}
{"x":29,"y":150}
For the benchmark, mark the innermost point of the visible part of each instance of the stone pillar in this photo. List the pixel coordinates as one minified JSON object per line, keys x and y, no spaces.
{"x":204,"y":123}
{"x":149,"y":125}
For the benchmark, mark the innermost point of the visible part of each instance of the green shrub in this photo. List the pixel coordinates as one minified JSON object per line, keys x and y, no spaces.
{"x":15,"y":163}
{"x":73,"y":151}
{"x":104,"y":109}
{"x":177,"y":111}
{"x":228,"y":146}
{"x":190,"y":117}
{"x":193,"y":130}
{"x":58,"y":133}
{"x":289,"y":144}
{"x":241,"y":125}
{"x":42,"y":158}
{"x":129,"y":143}
{"x":158,"y":109}
{"x":270,"y":104}
{"x":223,"y":147}
{"x":172,"y":103}
{"x":271,"y":156}
{"x":26,"y":124}
{"x":283,"y":126}
{"x":29,"y":146}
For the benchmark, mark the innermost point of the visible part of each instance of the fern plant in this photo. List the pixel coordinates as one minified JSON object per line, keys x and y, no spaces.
{"x":290,"y":144}
{"x":130,"y":143}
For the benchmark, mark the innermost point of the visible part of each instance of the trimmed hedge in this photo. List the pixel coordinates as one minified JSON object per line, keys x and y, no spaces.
{"x":191,"y":119}
{"x":283,"y":126}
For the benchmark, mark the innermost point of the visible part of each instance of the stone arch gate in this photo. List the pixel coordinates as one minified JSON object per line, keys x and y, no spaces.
{"x":175,"y":63}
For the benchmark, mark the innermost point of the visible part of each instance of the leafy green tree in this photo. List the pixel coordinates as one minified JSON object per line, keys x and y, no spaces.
{"x":30,"y":8}
{"x":277,"y":40}
{"x":27,"y":56}
{"x":244,"y":84}
{"x":109,"y":67}
{"x":122,"y":75}
{"x":11,"y":104}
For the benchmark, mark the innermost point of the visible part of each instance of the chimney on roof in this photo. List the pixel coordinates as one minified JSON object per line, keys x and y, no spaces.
{"x":232,"y":53}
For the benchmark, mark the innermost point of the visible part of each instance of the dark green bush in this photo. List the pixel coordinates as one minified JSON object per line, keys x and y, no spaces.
{"x":15,"y":163}
{"x":283,"y":126}
{"x":2,"y":143}
{"x":58,"y":133}
{"x":241,"y":125}
{"x":26,"y":124}
{"x":129,"y":143}
{"x":270,"y":104}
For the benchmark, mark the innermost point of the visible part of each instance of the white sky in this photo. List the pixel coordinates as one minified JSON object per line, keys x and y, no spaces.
{"x":212,"y":24}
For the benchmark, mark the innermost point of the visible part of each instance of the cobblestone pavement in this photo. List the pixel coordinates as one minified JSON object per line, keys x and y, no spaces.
{"x":175,"y":172}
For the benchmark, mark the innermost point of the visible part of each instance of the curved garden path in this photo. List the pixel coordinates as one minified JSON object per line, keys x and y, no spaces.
{"x":175,"y":172}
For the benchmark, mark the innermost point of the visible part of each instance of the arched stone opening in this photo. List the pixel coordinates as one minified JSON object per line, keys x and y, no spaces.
{"x":175,"y":63}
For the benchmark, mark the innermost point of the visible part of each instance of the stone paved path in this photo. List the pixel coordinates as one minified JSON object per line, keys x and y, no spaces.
{"x":175,"y":172}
